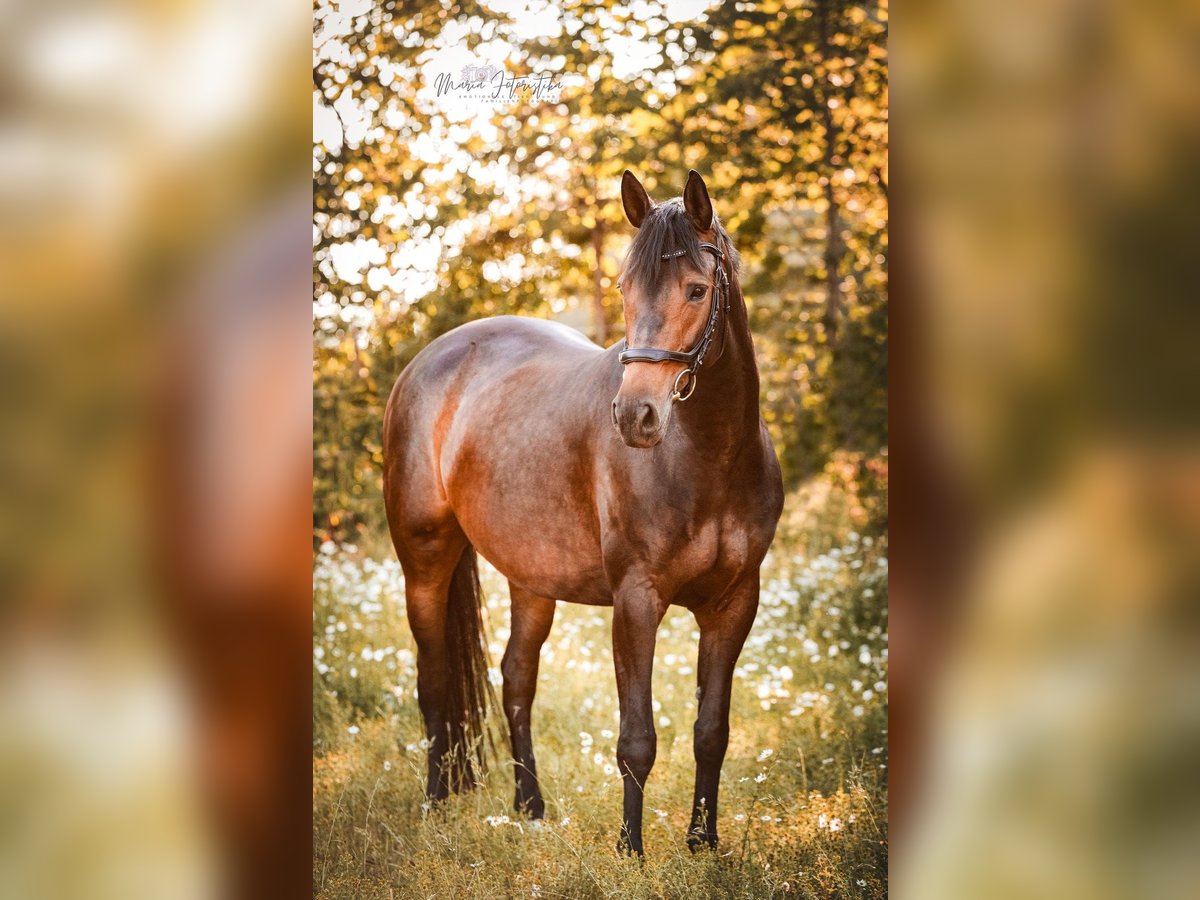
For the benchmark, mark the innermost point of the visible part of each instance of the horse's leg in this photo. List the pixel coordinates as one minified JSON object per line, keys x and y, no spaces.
{"x":723,"y":630}
{"x":636,"y":614}
{"x":532,"y":617}
{"x":427,"y":586}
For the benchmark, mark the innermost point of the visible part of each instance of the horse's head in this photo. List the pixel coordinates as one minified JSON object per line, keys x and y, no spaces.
{"x":667,"y":287}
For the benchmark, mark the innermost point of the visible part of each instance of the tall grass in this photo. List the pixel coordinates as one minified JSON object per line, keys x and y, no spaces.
{"x":803,"y":806}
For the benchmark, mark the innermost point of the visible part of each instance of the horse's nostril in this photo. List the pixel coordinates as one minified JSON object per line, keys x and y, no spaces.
{"x":648,"y":418}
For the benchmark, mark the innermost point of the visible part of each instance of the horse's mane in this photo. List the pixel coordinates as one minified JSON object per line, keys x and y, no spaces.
{"x":667,"y":229}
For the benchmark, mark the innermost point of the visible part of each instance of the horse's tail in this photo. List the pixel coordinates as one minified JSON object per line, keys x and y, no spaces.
{"x":468,"y":690}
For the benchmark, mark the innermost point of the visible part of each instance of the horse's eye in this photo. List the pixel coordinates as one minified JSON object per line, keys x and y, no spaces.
{"x":698,"y":292}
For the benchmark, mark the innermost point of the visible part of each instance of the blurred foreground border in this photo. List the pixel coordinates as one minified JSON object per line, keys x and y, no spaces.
{"x":155,"y":550}
{"x":1045,"y":681}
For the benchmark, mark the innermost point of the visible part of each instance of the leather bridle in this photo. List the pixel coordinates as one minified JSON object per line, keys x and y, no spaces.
{"x":693,"y":358}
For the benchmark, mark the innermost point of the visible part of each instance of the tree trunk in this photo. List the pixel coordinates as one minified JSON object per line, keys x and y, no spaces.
{"x":833,"y":258}
{"x":834,"y":250}
{"x":599,"y":320}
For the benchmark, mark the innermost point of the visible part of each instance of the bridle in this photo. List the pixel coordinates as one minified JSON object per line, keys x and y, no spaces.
{"x":693,"y":358}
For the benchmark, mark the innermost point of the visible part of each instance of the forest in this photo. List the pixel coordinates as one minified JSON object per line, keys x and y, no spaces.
{"x":429,"y":215}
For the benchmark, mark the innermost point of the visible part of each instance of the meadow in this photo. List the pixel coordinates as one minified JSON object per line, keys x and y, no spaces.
{"x":803,"y":807}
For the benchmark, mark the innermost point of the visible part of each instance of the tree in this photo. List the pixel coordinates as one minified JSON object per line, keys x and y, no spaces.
{"x":424,"y":220}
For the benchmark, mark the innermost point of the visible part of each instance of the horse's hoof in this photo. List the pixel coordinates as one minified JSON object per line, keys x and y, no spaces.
{"x":534,"y":807}
{"x":627,"y":850}
{"x":698,"y":842}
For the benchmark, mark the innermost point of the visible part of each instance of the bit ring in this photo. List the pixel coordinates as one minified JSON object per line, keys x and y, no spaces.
{"x":676,"y":393}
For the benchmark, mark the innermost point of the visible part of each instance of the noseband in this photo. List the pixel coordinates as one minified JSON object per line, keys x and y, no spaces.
{"x":693,"y":358}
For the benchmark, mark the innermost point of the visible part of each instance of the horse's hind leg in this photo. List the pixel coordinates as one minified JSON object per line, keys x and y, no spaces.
{"x":441,"y":585}
{"x":532,"y":617}
{"x":430,"y":557}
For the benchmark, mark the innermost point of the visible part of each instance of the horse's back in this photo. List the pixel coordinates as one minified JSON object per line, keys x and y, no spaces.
{"x":460,"y":376}
{"x":464,"y":358}
{"x":493,"y":345}
{"x":477,"y":357}
{"x":488,"y":430}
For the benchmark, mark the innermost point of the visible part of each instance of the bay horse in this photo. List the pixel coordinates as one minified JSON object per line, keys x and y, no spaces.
{"x":634,"y":477}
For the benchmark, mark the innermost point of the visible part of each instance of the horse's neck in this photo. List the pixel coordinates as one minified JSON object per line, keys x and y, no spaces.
{"x":722,"y":414}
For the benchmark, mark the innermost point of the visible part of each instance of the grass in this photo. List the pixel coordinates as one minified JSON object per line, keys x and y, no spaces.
{"x":804,"y":787}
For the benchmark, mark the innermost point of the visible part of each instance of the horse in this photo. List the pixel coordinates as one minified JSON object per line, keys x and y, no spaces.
{"x":638,"y":477}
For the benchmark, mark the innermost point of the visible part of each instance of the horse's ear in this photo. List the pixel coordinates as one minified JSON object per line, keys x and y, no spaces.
{"x":695,"y":201}
{"x":635,"y":199}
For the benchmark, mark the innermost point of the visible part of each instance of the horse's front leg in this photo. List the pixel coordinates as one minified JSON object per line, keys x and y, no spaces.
{"x":637,"y":610}
{"x":723,"y":630}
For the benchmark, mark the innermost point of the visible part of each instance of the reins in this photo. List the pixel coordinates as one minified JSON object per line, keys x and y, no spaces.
{"x":693,"y":358}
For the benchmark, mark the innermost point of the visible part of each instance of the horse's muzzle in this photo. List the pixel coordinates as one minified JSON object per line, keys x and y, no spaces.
{"x":639,"y":422}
